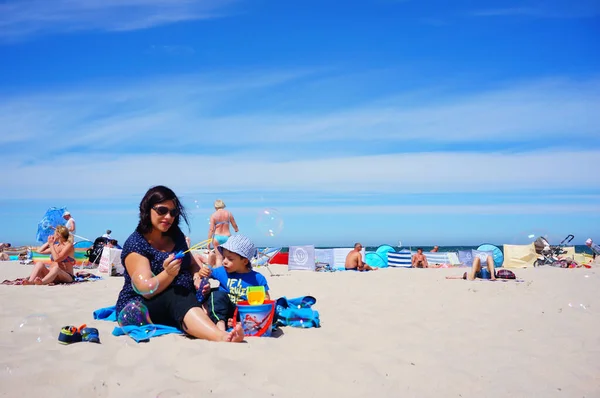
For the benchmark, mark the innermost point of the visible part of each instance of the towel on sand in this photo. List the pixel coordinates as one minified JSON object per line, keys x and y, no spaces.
{"x":138,"y":333}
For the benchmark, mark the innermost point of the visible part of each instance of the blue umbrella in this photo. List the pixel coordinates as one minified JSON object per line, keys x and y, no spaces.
{"x":52,"y":219}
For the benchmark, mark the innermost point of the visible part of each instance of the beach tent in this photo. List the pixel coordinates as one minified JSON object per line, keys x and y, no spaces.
{"x":519,"y":256}
{"x":302,"y":258}
{"x":375,"y":260}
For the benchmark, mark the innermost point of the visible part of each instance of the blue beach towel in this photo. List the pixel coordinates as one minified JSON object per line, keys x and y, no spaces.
{"x":138,"y":333}
{"x":296,"y":312}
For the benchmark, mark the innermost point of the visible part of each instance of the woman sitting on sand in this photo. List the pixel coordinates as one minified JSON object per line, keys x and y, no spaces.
{"x":164,"y":284}
{"x":62,"y":255}
{"x":218,"y":230}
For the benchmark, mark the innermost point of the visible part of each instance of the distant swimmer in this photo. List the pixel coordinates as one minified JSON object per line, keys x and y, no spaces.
{"x":354,"y":260}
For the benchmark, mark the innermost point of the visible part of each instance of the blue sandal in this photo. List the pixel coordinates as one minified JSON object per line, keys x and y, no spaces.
{"x":70,"y":334}
{"x":91,"y":335}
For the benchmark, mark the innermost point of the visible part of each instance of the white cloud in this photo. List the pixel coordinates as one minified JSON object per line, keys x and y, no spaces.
{"x":112,"y":176}
{"x":234,"y":111}
{"x":546,"y":9}
{"x":19,"y":18}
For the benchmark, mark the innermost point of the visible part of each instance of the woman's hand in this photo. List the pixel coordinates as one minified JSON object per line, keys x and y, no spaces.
{"x":172,"y":265}
{"x":51,"y":239}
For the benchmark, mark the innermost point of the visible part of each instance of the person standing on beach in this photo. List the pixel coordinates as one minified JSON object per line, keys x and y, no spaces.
{"x":158,"y":280}
{"x":435,"y":249}
{"x":218,"y":230}
{"x":70,"y":225}
{"x":354,"y":260}
{"x":419,"y":260}
{"x":594,"y":247}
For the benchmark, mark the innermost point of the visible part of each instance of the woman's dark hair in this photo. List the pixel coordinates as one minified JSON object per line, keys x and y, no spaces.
{"x":155,"y":195}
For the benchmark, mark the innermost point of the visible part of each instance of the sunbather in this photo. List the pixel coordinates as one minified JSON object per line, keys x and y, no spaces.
{"x":149,"y":262}
{"x":475,"y":271}
{"x":419,"y":260}
{"x":354,"y":260}
{"x":62,"y":257}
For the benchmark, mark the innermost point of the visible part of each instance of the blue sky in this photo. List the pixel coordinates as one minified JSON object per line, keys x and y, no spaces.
{"x":426,"y":122}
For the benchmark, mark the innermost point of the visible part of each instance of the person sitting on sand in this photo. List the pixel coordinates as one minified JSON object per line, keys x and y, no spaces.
{"x":163,"y":283}
{"x":475,"y":271}
{"x":62,"y":255}
{"x":419,"y":260}
{"x":235,"y":276}
{"x":354,"y":260}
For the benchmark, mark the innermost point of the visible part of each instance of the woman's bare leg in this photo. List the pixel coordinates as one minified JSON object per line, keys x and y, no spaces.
{"x":474,"y":269}
{"x":56,"y":274}
{"x":196,"y":323}
{"x":218,"y":257}
{"x":491,"y":268}
{"x":39,"y":271}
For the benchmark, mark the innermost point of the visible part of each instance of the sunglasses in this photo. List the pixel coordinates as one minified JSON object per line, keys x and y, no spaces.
{"x":162,"y":210}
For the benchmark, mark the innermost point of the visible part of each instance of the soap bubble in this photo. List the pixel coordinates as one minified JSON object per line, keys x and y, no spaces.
{"x":269,"y":222}
{"x":136,"y":314}
{"x":36,"y":328}
{"x":528,"y":237}
{"x":143,"y":284}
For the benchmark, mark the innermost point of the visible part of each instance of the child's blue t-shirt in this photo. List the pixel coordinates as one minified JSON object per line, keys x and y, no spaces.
{"x":235,"y":284}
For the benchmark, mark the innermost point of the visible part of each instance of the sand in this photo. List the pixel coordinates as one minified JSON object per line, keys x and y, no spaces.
{"x":390,"y":333}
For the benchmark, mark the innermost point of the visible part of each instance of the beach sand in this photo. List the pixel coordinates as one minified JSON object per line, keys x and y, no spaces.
{"x":389,"y":333}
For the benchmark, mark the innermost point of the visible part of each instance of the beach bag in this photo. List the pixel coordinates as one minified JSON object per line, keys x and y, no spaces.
{"x":296,"y":312}
{"x":505,"y":274}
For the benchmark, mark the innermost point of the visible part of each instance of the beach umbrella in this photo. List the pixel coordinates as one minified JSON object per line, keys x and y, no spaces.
{"x":52,"y":219}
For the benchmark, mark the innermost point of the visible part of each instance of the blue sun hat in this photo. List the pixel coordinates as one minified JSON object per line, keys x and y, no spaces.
{"x":239,"y":244}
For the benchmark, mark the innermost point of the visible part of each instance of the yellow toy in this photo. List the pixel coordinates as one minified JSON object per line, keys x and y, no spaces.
{"x":255,"y":294}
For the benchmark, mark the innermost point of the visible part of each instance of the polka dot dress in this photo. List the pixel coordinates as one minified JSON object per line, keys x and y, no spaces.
{"x":137,"y":244}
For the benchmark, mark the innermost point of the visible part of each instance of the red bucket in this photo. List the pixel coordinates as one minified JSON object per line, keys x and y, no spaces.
{"x":256,"y":320}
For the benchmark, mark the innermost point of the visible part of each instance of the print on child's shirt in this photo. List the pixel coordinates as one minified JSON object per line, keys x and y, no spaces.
{"x":237,"y":292}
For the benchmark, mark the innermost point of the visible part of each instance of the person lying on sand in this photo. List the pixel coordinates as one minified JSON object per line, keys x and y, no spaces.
{"x":354,"y":260}
{"x":419,"y":260}
{"x":475,"y":271}
{"x":62,"y":255}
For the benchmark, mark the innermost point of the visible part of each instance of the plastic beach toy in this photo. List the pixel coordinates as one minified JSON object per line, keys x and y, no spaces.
{"x":256,"y":295}
{"x":181,"y":254}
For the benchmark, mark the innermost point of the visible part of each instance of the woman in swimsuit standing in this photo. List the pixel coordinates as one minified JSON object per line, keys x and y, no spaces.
{"x":62,"y":255}
{"x":218,"y":230}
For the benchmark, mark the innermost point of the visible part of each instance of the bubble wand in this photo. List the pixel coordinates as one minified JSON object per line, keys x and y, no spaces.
{"x":200,"y":245}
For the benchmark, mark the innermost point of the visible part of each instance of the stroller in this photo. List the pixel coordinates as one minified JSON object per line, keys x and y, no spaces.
{"x":550,"y":255}
{"x":95,"y":252}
